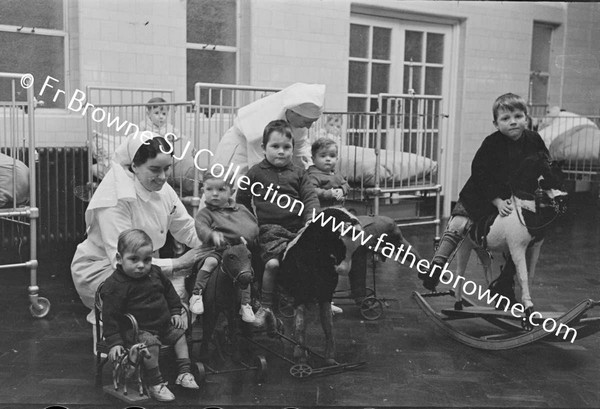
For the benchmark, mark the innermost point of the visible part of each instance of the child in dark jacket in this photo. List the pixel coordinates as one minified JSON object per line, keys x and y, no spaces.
{"x":331,"y":186}
{"x":141,"y":289}
{"x":283,"y":199}
{"x":487,"y":190}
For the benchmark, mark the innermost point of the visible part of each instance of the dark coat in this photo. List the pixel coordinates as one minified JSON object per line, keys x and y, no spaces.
{"x":152,"y":300}
{"x":496,"y":161}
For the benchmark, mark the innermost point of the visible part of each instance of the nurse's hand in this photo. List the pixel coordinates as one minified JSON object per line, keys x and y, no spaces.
{"x":187,"y":260}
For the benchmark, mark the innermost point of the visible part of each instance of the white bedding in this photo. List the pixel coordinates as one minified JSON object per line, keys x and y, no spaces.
{"x":573,"y":138}
{"x":13,"y":172}
{"x":395,"y":168}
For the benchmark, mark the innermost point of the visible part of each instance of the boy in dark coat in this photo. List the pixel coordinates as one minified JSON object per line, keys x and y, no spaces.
{"x":487,"y":190}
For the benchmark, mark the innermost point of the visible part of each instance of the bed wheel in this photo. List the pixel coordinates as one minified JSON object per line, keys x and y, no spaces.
{"x":200,"y":371}
{"x":41,"y":309}
{"x":371,"y":308}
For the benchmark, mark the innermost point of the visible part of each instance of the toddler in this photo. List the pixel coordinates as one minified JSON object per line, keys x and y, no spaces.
{"x":220,"y":221}
{"x":140,"y":288}
{"x":487,"y":190}
{"x":331,"y":186}
{"x":277,"y":175}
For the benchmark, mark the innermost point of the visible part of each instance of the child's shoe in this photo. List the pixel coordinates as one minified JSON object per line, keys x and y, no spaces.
{"x":187,"y":381}
{"x":247,"y":313}
{"x":196,"y":305}
{"x":335,"y":309}
{"x":260,"y":318}
{"x":161,"y":393}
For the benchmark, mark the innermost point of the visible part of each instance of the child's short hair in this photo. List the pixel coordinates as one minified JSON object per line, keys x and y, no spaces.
{"x":155,"y":100}
{"x":322,"y":143}
{"x":132,"y":240}
{"x":510,"y":102}
{"x":278,"y":125}
{"x":208,"y":175}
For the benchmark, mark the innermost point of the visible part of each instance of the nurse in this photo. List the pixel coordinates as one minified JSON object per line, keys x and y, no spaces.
{"x":134,"y":194}
{"x":300,"y":104}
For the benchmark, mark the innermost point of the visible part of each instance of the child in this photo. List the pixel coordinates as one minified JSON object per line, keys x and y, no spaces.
{"x":156,"y":121}
{"x":276,"y":175}
{"x":332,"y":128}
{"x":331,"y":187}
{"x":140,"y":288}
{"x":488,"y":190}
{"x":220,"y":221}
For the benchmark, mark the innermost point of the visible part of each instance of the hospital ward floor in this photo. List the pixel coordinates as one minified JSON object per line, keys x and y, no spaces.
{"x":409,"y":362}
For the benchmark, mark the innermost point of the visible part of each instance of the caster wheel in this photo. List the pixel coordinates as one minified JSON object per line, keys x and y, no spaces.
{"x":371,"y":308}
{"x":261,"y":368}
{"x":286,"y":306}
{"x":200,"y":372}
{"x":301,"y":371}
{"x":42,"y":309}
{"x":369,"y":292}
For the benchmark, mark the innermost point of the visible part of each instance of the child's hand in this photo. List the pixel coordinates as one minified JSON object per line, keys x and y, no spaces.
{"x":504,"y":206}
{"x":116,"y":352}
{"x":217,"y":238}
{"x":338,"y":194}
{"x":177,"y":321}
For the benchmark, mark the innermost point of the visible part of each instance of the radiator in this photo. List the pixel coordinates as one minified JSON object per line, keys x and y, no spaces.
{"x":61,"y":220}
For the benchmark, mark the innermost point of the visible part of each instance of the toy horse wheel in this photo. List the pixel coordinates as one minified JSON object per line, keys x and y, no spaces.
{"x":371,"y":308}
{"x":200,"y":372}
{"x":286,"y":307}
{"x":301,"y":371}
{"x":41,"y":309}
{"x":261,"y":368}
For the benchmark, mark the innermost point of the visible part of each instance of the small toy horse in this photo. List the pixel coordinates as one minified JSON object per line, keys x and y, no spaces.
{"x":127,"y":367}
{"x":537,"y":202}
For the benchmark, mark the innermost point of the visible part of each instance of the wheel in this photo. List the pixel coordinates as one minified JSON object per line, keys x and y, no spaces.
{"x":200,"y":372}
{"x":369,"y":292}
{"x":41,"y":309}
{"x":301,"y":371}
{"x":261,"y":368}
{"x":371,"y":308}
{"x":286,"y":306}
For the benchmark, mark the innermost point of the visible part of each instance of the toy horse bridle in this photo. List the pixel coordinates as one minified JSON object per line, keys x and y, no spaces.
{"x":538,"y":197}
{"x":228,"y":274}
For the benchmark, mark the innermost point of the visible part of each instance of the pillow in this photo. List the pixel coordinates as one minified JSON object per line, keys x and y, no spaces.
{"x":20,"y":181}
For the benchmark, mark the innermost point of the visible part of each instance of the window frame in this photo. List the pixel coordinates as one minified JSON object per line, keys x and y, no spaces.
{"x":26,"y":30}
{"x":221,"y":48}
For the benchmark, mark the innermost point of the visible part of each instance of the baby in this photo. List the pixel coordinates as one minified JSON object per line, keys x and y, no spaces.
{"x":331,"y":186}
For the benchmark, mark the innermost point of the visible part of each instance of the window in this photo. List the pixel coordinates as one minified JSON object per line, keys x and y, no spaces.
{"x":539,"y":75}
{"x":211,"y":42}
{"x":397,"y":57}
{"x":33,"y":39}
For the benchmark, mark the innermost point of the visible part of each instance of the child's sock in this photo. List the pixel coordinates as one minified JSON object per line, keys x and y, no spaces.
{"x":184,"y":365}
{"x":153,"y":376}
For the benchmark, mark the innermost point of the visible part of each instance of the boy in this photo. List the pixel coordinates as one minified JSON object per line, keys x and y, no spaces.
{"x":488,"y":190}
{"x":276,"y":175}
{"x":220,"y":221}
{"x":331,"y":186}
{"x":140,"y":288}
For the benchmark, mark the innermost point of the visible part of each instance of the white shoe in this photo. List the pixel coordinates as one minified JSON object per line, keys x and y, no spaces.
{"x":247,"y":313}
{"x":196,"y":305}
{"x":260,"y":317}
{"x":187,"y":381}
{"x":335,"y":309}
{"x":161,"y":393}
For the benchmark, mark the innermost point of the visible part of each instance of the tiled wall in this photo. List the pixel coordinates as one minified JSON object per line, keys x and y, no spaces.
{"x":137,"y":43}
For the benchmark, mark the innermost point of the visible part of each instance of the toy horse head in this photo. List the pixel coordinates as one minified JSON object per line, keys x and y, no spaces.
{"x":138,"y":352}
{"x":237,"y":263}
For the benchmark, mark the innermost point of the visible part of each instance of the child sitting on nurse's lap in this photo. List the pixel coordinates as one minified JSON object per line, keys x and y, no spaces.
{"x":331,"y":186}
{"x":222,"y":221}
{"x":140,"y":288}
{"x":277,"y":175}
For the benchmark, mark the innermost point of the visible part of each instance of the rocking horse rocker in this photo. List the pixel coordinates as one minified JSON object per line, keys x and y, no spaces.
{"x":538,"y":202}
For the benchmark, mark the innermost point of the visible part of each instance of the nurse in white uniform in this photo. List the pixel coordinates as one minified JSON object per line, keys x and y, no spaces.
{"x":134,"y":194}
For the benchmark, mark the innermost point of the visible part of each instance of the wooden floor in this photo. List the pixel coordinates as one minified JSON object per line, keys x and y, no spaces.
{"x":410,"y":363}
